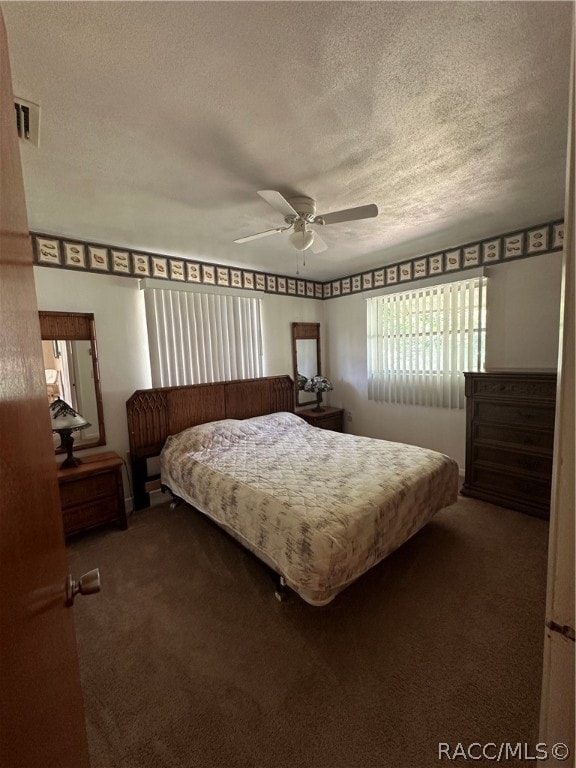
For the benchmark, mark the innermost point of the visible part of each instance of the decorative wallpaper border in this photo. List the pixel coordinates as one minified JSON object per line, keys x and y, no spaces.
{"x":491,"y":250}
{"x":78,"y":255}
{"x":81,"y":256}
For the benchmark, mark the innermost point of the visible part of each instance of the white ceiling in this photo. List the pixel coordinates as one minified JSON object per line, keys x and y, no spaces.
{"x":161,"y":120}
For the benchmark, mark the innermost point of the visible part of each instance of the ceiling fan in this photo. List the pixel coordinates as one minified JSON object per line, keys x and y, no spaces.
{"x":299,"y":213}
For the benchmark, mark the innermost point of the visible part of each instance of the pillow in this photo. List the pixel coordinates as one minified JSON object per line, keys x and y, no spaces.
{"x":276,"y":420}
{"x":202,"y":435}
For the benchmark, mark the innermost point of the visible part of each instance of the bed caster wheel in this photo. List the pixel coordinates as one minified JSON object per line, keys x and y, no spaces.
{"x":281,"y":591}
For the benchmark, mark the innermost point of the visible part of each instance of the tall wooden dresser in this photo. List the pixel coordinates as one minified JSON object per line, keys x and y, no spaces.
{"x":509,"y":439}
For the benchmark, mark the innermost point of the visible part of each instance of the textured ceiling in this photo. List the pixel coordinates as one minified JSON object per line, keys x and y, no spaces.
{"x":160,"y":121}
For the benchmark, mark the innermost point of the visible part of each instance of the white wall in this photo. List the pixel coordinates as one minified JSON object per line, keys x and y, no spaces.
{"x":522,"y":332}
{"x":524,"y":314}
{"x":277,"y":314}
{"x":119,"y":313}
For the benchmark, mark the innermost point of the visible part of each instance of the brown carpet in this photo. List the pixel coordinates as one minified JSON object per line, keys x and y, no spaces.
{"x":188,"y":661}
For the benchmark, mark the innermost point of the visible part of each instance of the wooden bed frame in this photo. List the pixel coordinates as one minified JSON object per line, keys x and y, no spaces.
{"x":154,"y":414}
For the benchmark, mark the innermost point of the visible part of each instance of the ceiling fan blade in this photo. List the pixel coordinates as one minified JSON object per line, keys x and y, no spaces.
{"x":318,"y":245}
{"x":261,"y":234}
{"x":277,"y":201}
{"x":350,"y":214}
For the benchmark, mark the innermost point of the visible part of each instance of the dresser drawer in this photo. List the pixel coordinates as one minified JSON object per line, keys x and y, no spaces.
{"x":329,"y":418}
{"x":333,"y":422}
{"x":514,"y":459}
{"x":532,"y":414}
{"x":87,"y":488}
{"x":86,"y":516}
{"x":534,"y":387}
{"x":528,"y":437}
{"x":506,"y":484}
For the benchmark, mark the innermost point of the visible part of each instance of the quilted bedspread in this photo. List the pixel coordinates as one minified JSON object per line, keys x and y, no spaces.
{"x":320,"y":507}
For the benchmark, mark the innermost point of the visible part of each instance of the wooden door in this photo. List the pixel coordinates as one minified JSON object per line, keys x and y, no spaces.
{"x":557,"y":714}
{"x":41,"y":709}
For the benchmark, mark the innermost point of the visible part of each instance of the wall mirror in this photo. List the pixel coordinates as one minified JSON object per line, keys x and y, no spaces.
{"x":306,"y":360}
{"x":71,"y":368}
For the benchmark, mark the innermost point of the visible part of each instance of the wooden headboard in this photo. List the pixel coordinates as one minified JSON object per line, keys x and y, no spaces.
{"x":154,"y":414}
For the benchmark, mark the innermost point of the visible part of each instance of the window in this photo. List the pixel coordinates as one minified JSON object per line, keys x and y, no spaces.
{"x":420,"y":342}
{"x":196,"y":338}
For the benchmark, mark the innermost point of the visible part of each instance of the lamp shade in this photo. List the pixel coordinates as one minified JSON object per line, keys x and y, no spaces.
{"x":66,"y":420}
{"x":64,"y":417}
{"x":318,"y":384}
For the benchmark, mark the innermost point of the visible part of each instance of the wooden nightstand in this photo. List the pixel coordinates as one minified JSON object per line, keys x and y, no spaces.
{"x":92,"y":493}
{"x":327,"y":418}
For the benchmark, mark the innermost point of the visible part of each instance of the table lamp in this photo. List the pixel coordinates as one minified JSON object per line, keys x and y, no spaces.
{"x":66,"y":420}
{"x":318,"y":384}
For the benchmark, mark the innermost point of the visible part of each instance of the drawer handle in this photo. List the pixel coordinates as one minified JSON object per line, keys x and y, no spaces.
{"x":87,"y":584}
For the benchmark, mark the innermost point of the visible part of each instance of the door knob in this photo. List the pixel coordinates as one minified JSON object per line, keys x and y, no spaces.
{"x":86,"y":585}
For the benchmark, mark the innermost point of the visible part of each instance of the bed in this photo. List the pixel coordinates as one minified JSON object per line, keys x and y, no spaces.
{"x":318,"y":507}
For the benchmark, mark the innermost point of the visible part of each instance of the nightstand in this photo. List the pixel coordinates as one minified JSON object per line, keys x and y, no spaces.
{"x":92,"y":493}
{"x":327,"y":418}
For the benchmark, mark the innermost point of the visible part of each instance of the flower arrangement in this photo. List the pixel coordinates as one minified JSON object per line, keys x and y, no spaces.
{"x":318,"y":384}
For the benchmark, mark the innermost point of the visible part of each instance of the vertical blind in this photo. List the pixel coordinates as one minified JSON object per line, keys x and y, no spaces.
{"x":197,"y":338}
{"x":420,"y":342}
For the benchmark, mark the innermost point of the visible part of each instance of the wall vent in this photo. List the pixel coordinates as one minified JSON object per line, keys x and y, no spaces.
{"x":27,"y":121}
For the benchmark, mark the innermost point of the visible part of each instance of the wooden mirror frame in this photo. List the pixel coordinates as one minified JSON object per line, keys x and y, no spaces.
{"x":305,"y":331}
{"x":77,"y":326}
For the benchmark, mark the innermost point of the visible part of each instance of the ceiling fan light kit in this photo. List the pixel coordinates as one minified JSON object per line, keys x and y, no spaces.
{"x":300,"y":211}
{"x":301,"y":238}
